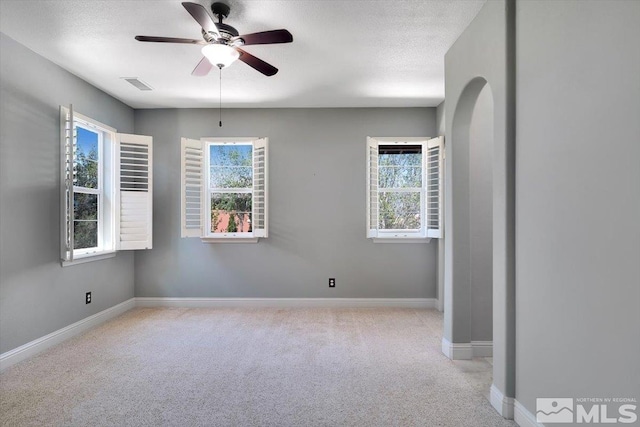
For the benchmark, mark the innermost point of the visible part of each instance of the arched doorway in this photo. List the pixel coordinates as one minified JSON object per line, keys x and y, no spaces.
{"x":477,"y":296}
{"x":468,"y":238}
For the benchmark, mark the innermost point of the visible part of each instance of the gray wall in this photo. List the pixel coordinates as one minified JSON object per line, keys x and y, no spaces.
{"x":482,"y":57}
{"x":578,"y":205}
{"x":481,"y":216}
{"x":317,"y":210}
{"x":37,"y":295}
{"x":441,"y":124}
{"x":440,"y":119}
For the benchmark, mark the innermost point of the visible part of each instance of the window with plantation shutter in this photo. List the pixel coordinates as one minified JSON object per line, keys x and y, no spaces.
{"x":434,"y":186}
{"x":106,"y":189}
{"x":192,"y":172}
{"x":67,"y":149}
{"x":225,"y":189}
{"x":403,"y":189}
{"x":372,"y":187}
{"x":135,"y":191}
{"x":260,"y":174}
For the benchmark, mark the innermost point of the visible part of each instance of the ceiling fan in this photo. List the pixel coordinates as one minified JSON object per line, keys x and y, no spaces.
{"x":222,"y":43}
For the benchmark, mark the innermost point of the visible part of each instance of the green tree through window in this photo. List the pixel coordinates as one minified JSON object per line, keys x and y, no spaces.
{"x":399,"y":183}
{"x":86,"y":189}
{"x":231,"y":181}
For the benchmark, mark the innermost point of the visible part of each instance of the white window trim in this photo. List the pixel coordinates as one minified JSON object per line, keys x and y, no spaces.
{"x":402,"y":236}
{"x":108,"y":188}
{"x":89,"y":257}
{"x":208,"y":237}
{"x":401,"y":239}
{"x":99,"y":191}
{"x":81,"y":256}
{"x":230,"y":238}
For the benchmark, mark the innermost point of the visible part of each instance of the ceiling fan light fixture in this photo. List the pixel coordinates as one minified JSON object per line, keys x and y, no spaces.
{"x":220,"y":55}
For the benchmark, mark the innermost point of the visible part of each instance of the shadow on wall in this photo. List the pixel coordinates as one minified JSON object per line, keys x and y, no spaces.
{"x":33,"y":189}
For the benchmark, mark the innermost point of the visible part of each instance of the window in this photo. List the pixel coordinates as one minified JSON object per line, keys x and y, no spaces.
{"x":105,"y":187}
{"x":224,"y":189}
{"x":404,"y":188}
{"x":88,"y":190}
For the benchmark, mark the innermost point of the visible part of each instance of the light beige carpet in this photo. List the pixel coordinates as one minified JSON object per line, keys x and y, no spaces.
{"x":248,"y":367}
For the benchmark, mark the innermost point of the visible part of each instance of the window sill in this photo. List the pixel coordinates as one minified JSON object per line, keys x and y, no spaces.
{"x":229,"y":239}
{"x":81,"y":259}
{"x":401,"y":239}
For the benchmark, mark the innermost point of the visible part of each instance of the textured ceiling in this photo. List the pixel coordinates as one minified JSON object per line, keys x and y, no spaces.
{"x":359,"y":53}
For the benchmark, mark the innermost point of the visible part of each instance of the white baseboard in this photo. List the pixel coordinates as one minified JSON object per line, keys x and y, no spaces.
{"x":523,"y":417}
{"x":440,"y":305}
{"x":457,"y":351}
{"x":285,"y":302}
{"x":467,"y":351}
{"x":501,"y":403}
{"x":482,"y":348}
{"x":34,"y":347}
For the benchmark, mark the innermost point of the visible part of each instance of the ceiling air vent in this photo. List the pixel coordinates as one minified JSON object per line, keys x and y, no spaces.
{"x":138,"y":83}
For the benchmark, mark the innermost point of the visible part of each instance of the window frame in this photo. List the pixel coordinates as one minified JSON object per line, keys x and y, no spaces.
{"x":209,"y":190}
{"x":115,"y":212}
{"x":105,"y":189}
{"x":378,"y":235}
{"x":99,"y":191}
{"x":238,"y":237}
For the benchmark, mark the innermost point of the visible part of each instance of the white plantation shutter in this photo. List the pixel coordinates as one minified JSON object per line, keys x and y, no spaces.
{"x":434,"y":194}
{"x":192,"y":184}
{"x":68,"y":146}
{"x":134,"y":182}
{"x":259,"y":224}
{"x":372,"y":187}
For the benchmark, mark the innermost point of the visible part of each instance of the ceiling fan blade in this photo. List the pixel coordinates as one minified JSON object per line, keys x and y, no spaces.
{"x":200,"y":14}
{"x":266,"y":37}
{"x":168,"y":40}
{"x":203,"y":68}
{"x":256,"y":63}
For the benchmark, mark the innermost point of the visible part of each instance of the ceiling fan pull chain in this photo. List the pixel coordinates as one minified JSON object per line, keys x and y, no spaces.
{"x":220,"y":99}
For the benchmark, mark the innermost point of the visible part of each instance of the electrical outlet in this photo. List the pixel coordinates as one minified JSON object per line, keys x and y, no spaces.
{"x":332,"y":283}
{"x":87,"y":298}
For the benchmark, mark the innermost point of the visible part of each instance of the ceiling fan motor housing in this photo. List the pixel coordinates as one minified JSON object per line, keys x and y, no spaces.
{"x":226,"y":32}
{"x":220,"y":10}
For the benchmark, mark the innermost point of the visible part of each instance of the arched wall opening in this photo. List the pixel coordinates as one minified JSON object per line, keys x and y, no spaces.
{"x":481,"y":222}
{"x":473,"y":298}
{"x":469,"y":233}
{"x":482,"y":57}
